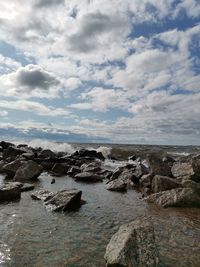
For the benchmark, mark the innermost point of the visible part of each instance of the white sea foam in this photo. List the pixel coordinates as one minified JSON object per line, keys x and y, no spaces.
{"x":54,"y":146}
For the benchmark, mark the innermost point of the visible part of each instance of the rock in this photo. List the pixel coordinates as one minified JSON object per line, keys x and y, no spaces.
{"x":47,"y":153}
{"x":88,"y":177}
{"x":5,"y":145}
{"x":65,"y":200}
{"x":73,"y":171}
{"x":9,"y":192}
{"x":60,"y":169}
{"x":133,"y":157}
{"x":117,"y":185}
{"x":13,"y":151}
{"x":91,"y":167}
{"x":146,"y":180}
{"x":89,"y":153}
{"x":162,"y":183}
{"x":179,"y":197}
{"x":132,"y":246}
{"x":29,"y":155}
{"x":53,"y":181}
{"x":47,"y":165}
{"x":11,"y":168}
{"x":27,"y":187}
{"x":157,"y":166}
{"x":187,"y":170}
{"x":29,"y":170}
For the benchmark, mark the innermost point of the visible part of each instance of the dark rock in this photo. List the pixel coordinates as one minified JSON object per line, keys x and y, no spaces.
{"x":157,"y":166}
{"x":91,"y":167}
{"x":133,"y":246}
{"x":133,"y":157}
{"x":29,"y":155}
{"x":60,"y":169}
{"x":117,"y":185}
{"x":27,"y":187}
{"x":179,"y":197}
{"x":5,"y":145}
{"x":29,"y":170}
{"x":13,"y":151}
{"x":11,"y":168}
{"x":73,"y":171}
{"x":65,"y":200}
{"x":53,"y":181}
{"x":88,"y":177}
{"x":146,"y":180}
{"x":47,"y":165}
{"x":89,"y":153}
{"x":9,"y":192}
{"x":162,"y":183}
{"x":47,"y":153}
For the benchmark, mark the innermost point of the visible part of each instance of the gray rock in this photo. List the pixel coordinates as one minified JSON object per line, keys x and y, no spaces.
{"x":65,"y":200}
{"x":29,"y":170}
{"x":11,"y":168}
{"x":47,"y":153}
{"x":88,"y":177}
{"x":132,"y":246}
{"x":179,"y":197}
{"x":73,"y":171}
{"x":117,"y":185}
{"x":13,"y":151}
{"x":162,"y":183}
{"x":9,"y":192}
{"x":187,"y":170}
{"x":157,"y":166}
{"x":60,"y":168}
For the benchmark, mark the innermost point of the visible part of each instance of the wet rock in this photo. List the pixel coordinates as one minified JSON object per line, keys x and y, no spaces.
{"x":29,"y":155}
{"x":162,"y":183}
{"x":132,"y":246}
{"x":29,"y":170}
{"x":179,"y":197}
{"x":91,"y":167}
{"x":11,"y":168}
{"x":9,"y":192}
{"x":73,"y":171}
{"x":146,"y":180}
{"x":47,"y":153}
{"x":157,"y":166}
{"x":27,"y":187}
{"x":65,"y":200}
{"x":89,"y":153}
{"x":133,"y":157}
{"x":88,"y":177}
{"x":53,"y":181}
{"x":13,"y":152}
{"x":5,"y":145}
{"x":117,"y":185}
{"x":60,"y":169}
{"x":47,"y":165}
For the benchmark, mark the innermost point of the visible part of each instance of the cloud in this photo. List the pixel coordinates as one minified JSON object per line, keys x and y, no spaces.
{"x":3,"y":113}
{"x":35,"y":107}
{"x":30,"y":81}
{"x":48,"y":3}
{"x":102,"y":100}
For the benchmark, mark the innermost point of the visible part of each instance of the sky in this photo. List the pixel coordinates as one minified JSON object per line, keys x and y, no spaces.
{"x":121,"y":71}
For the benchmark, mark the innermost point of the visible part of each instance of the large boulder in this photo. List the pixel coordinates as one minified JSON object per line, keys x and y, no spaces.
{"x":187,"y":170}
{"x":158,"y":166}
{"x":60,"y":169}
{"x":47,"y":153}
{"x":88,"y":177}
{"x":65,"y":200}
{"x":132,"y":246}
{"x":91,"y":167}
{"x":89,"y":153}
{"x":13,"y":152}
{"x":9,"y":192}
{"x":162,"y":183}
{"x":11,"y":168}
{"x":117,"y":185}
{"x":29,"y":170}
{"x":179,"y":197}
{"x":5,"y":145}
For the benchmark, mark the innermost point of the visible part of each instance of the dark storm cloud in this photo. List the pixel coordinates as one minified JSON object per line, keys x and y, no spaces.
{"x":35,"y":77}
{"x":46,"y":3}
{"x":92,"y":26}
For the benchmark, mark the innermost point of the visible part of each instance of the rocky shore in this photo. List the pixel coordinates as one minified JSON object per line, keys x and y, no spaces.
{"x":166,"y":181}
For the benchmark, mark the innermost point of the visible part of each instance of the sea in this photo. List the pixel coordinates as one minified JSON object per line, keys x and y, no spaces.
{"x":30,"y":235}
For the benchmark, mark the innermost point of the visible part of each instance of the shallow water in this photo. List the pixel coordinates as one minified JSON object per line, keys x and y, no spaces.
{"x":32,"y":236}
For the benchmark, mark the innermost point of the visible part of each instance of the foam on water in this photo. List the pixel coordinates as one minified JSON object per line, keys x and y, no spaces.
{"x":54,"y":146}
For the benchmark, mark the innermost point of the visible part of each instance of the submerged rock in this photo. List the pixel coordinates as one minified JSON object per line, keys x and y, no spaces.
{"x":30,"y":170}
{"x":9,"y":192}
{"x":179,"y":197}
{"x":64,"y":200}
{"x":132,"y":246}
{"x":88,"y":177}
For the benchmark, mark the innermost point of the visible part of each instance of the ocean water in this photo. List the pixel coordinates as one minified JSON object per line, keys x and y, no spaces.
{"x":32,"y":236}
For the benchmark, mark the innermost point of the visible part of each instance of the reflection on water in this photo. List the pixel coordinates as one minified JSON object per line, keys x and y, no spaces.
{"x":32,"y":236}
